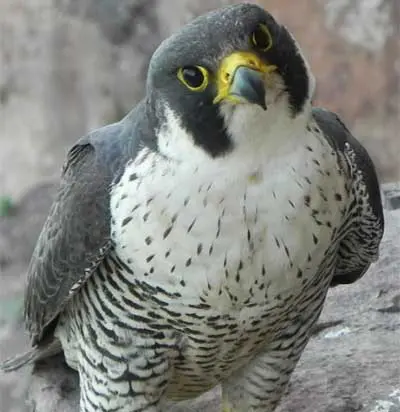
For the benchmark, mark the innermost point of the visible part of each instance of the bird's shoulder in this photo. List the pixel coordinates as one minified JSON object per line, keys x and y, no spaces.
{"x":76,"y":235}
{"x":364,"y":221}
{"x":353,"y":152}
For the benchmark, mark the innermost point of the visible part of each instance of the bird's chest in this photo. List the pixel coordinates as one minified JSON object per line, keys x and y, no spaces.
{"x":227,"y":261}
{"x":224,"y":242}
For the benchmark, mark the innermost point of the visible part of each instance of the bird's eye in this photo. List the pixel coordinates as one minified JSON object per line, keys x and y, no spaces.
{"x":261,"y":38}
{"x":194,"y":78}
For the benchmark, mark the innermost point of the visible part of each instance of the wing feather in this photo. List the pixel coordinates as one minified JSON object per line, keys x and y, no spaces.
{"x":76,"y":235}
{"x":360,"y":245}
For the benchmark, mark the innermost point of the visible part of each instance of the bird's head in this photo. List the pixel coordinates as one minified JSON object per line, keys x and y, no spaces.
{"x":229,"y":77}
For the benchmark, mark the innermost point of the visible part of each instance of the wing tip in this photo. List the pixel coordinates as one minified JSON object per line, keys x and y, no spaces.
{"x":31,"y":356}
{"x":18,"y":361}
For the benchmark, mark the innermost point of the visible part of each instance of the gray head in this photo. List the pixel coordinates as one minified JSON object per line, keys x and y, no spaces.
{"x":228,"y":68}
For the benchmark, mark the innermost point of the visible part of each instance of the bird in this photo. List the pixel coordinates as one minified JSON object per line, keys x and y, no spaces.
{"x":193,"y":243}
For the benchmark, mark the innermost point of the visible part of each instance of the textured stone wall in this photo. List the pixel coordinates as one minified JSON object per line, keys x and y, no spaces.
{"x":68,"y":66}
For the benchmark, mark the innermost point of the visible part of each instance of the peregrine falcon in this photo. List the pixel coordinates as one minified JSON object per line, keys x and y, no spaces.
{"x":193,"y":243}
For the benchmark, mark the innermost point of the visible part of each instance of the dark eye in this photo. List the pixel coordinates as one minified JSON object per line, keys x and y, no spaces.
{"x":261,"y":37}
{"x":194,"y":78}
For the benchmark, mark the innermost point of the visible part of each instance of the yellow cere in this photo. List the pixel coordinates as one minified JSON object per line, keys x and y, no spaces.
{"x":228,"y":67}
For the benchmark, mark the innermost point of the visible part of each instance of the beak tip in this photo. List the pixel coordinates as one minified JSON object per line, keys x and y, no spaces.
{"x":248,"y":84}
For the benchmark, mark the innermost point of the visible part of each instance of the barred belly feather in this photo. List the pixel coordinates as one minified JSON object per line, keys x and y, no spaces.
{"x":209,"y":269}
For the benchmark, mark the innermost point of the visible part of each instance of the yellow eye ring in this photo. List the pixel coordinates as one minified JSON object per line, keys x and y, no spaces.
{"x":195,"y":78}
{"x":261,"y":38}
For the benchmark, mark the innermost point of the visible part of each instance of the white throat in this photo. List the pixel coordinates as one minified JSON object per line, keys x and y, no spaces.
{"x":258,"y":135}
{"x":254,"y":130}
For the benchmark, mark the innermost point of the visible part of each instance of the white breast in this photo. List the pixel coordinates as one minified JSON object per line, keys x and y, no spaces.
{"x":215,"y":230}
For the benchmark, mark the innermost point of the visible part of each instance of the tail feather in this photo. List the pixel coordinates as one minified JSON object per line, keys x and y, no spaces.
{"x":31,"y":356}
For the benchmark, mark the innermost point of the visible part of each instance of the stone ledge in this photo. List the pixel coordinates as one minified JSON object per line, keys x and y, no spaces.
{"x":391,"y":195}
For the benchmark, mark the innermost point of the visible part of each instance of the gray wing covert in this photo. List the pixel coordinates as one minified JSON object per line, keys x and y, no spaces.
{"x":76,"y":234}
{"x":364,"y":224}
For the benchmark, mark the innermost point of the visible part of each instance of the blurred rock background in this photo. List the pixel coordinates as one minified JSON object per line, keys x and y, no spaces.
{"x":68,"y":66}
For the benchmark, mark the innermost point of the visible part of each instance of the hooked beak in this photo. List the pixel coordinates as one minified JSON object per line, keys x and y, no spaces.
{"x":241,"y":79}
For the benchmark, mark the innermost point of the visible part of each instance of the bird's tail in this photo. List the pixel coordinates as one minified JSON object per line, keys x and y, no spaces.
{"x":35,"y":354}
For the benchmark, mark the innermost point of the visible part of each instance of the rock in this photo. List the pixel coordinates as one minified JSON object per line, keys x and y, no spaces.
{"x":391,"y":195}
{"x":18,"y":235}
{"x":19,"y":230}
